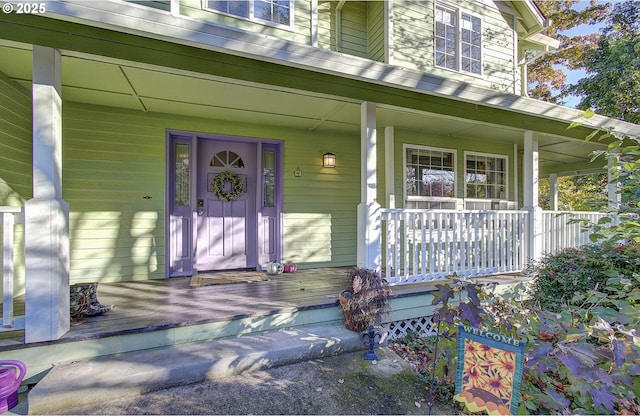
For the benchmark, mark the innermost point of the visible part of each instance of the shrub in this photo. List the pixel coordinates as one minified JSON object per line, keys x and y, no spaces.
{"x":584,"y":359}
{"x":559,"y":277}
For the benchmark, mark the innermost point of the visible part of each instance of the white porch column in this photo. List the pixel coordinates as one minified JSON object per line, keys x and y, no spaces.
{"x":553,"y":191}
{"x":389,"y":166}
{"x":369,"y":237}
{"x":47,"y":214}
{"x":613,"y":189}
{"x":530,"y":182}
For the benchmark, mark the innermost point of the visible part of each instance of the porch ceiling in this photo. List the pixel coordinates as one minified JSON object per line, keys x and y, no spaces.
{"x":94,"y":80}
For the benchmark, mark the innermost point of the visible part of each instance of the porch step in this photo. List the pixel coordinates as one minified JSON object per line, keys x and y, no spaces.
{"x":100,"y":380}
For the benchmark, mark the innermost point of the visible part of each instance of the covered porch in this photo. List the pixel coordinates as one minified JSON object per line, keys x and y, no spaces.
{"x":108,"y":219}
{"x":161,"y":313}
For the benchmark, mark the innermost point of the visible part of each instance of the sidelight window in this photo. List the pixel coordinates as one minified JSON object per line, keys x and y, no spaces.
{"x":181,"y":178}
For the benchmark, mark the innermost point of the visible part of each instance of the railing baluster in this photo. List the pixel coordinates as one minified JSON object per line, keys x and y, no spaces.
{"x":427,"y":245}
{"x":7,"y":269}
{"x":559,"y":234}
{"x":9,"y":217}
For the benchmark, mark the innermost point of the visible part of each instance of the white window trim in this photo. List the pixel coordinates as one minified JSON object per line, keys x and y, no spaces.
{"x":458,"y":12}
{"x":506,"y":175}
{"x":254,"y":19}
{"x":404,"y":173}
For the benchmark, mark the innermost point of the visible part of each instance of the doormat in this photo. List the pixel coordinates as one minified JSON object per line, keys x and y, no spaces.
{"x":224,"y":278}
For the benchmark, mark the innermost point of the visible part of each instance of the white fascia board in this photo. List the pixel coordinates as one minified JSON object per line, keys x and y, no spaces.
{"x":143,"y":21}
{"x":529,"y":12}
{"x":534,"y":10}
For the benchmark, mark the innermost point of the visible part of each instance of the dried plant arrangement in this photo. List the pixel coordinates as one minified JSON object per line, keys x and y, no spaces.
{"x":366,"y":300}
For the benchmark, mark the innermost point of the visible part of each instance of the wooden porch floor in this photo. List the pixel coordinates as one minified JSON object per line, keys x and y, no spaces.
{"x":151,"y":305}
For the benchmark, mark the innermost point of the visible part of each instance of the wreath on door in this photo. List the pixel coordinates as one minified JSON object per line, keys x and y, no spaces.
{"x":217,"y":185}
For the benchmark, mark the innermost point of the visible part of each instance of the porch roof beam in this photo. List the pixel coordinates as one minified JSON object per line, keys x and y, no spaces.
{"x":573,"y":169}
{"x":380,"y":83}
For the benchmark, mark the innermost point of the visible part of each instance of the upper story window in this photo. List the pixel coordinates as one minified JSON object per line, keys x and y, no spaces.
{"x":458,"y":40}
{"x":485,"y":176}
{"x":429,"y":172}
{"x":276,"y":12}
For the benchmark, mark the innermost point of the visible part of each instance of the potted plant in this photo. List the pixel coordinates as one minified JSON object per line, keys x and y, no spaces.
{"x":365,"y":300}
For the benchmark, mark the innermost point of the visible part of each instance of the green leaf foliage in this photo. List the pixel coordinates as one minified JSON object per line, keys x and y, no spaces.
{"x":558,"y":278}
{"x":546,"y":77}
{"x":581,"y":358}
{"x":613,"y":67}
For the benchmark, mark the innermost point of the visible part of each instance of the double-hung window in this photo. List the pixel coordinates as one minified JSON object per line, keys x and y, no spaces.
{"x":485,"y":176}
{"x":277,"y":12}
{"x":429,"y":176}
{"x":458,"y":40}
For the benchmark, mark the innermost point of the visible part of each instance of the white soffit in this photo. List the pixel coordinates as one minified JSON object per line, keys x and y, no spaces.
{"x":544,"y":40}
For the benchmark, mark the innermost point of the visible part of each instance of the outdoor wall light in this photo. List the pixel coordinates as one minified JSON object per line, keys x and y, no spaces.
{"x":329,"y":160}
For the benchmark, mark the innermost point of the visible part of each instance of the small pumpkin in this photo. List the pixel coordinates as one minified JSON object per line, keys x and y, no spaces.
{"x":274,"y":267}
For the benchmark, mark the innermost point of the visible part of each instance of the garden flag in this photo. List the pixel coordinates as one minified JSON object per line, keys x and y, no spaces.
{"x":489,"y":371}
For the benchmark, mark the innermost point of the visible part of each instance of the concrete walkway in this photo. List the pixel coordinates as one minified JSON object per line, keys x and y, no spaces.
{"x":318,"y":370}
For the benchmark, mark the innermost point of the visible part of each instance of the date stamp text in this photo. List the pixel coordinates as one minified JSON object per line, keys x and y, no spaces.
{"x":24,"y":8}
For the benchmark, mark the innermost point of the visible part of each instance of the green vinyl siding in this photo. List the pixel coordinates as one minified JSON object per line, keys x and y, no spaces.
{"x":300,"y":31}
{"x":414,"y":46}
{"x":354,"y":29}
{"x":16,"y":161}
{"x":320,"y":206}
{"x":15,"y":143}
{"x":360,"y":32}
{"x":413,"y":34}
{"x":500,"y":64}
{"x":375,"y":25}
{"x":114,"y":182}
{"x":326,"y":25}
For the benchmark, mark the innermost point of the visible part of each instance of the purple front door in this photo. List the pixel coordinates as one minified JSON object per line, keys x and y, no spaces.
{"x":226,"y":232}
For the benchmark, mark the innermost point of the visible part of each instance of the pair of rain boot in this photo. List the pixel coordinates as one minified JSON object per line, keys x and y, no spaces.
{"x":84,"y":301}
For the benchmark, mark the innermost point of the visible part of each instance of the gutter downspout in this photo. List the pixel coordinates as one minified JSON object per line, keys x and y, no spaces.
{"x":515,"y":53}
{"x":524,"y":87}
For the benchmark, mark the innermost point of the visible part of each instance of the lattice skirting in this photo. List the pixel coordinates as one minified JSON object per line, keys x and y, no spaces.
{"x":424,"y":327}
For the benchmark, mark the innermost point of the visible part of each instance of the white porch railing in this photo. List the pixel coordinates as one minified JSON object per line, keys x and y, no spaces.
{"x":558,"y":233}
{"x":421,"y":245}
{"x":9,"y":218}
